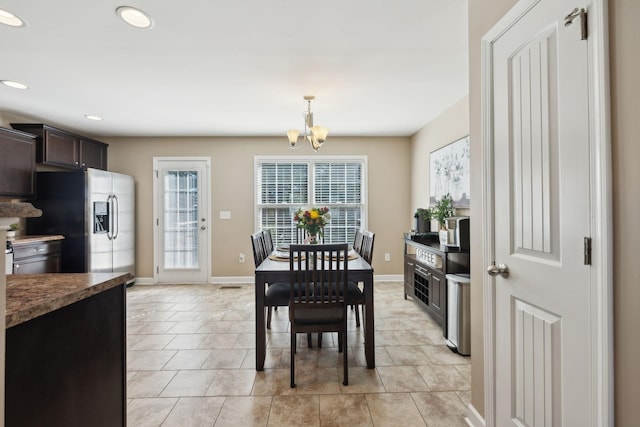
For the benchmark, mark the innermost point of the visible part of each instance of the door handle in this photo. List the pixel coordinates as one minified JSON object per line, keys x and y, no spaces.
{"x":500,"y":269}
{"x":203,"y":228}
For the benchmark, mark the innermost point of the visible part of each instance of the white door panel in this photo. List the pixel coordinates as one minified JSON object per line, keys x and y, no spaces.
{"x":542,"y":215}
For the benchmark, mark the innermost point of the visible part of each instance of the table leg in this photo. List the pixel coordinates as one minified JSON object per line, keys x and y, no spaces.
{"x":369,"y":339}
{"x":261,"y":341}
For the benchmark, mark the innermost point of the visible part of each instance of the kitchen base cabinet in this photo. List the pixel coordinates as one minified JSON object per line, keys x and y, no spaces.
{"x":425,"y":268}
{"x":37,"y":257}
{"x":68,"y":367}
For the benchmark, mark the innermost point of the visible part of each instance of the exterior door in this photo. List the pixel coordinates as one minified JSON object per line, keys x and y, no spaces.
{"x":181,"y":189}
{"x":541,"y":215}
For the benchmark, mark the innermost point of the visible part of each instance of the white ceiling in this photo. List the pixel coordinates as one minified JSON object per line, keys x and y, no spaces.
{"x":236,"y":67}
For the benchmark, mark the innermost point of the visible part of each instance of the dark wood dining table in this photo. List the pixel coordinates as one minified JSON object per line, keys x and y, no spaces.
{"x":271,"y":271}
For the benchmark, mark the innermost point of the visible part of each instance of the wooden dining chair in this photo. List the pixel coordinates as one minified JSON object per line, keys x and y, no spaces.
{"x":257,"y":244}
{"x":318,"y":277}
{"x":365,"y":250}
{"x":277,"y":294}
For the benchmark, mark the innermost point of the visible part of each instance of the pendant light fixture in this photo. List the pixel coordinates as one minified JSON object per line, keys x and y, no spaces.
{"x":316,"y":135}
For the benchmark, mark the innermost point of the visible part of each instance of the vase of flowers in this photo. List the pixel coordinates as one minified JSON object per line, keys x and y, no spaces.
{"x":312,"y":221}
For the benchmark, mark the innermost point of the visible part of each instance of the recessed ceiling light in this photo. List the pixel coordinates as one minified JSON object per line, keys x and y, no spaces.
{"x":15,"y":85}
{"x":134,"y":17}
{"x":10,"y":19}
{"x":92,"y":117}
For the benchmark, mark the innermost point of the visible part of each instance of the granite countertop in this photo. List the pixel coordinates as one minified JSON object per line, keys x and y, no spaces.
{"x":23,"y":240}
{"x":18,"y":210}
{"x":33,"y":295}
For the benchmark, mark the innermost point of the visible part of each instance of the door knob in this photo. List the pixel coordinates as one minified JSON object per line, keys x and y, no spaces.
{"x":203,"y":228}
{"x":500,"y":269}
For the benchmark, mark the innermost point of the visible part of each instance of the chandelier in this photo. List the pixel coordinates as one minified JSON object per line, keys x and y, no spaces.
{"x":316,"y":135}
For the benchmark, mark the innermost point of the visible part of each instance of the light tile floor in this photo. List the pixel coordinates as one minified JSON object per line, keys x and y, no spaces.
{"x":191,"y":362}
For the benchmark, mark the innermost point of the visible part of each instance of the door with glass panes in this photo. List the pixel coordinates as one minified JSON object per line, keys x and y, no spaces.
{"x":181,"y":212}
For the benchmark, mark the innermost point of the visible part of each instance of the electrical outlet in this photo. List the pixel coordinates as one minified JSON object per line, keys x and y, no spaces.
{"x":387,"y":257}
{"x":241,"y":257}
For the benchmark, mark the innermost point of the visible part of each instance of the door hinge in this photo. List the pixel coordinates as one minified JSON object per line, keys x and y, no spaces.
{"x":587,"y":251}
{"x":157,"y":270}
{"x":582,"y":14}
{"x":157,"y":221}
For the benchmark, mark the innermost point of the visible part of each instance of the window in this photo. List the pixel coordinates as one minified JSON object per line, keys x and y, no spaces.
{"x":286,"y":185}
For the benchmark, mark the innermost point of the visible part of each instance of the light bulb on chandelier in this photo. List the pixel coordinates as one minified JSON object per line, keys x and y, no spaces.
{"x":316,"y":135}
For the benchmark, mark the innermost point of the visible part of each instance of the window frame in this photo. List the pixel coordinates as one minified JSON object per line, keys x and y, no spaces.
{"x":311,"y":162}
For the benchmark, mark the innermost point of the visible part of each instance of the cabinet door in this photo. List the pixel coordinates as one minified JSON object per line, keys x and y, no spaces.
{"x":60,"y":149}
{"x":409,"y":269}
{"x":93,"y":154}
{"x":17,"y":164}
{"x":437,"y":292}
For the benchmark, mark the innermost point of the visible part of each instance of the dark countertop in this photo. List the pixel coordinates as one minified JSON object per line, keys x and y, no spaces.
{"x":23,"y":240}
{"x":33,"y":295}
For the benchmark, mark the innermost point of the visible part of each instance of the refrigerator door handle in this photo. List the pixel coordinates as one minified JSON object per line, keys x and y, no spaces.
{"x":110,"y":210}
{"x":116,"y":219}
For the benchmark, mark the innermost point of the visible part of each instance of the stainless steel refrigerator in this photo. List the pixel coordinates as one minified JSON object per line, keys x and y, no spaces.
{"x":95,"y":212}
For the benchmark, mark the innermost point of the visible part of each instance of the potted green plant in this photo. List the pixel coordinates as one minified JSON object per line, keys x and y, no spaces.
{"x":423,"y":218}
{"x":12,"y":229}
{"x":441,"y":211}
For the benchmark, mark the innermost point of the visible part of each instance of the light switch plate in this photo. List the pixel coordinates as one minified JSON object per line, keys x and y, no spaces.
{"x":225,"y":215}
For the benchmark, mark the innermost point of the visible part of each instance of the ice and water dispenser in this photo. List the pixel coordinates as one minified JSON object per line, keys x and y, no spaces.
{"x":100,"y":217}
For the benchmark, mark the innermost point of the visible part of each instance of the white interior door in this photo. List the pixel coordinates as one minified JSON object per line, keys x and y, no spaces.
{"x":541,"y":217}
{"x":181,"y":189}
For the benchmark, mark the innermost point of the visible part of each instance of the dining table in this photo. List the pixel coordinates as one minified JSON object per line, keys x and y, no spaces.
{"x":273,"y":270}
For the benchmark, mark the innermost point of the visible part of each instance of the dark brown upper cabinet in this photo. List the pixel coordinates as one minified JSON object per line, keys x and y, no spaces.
{"x":57,"y":147}
{"x":17,"y":164}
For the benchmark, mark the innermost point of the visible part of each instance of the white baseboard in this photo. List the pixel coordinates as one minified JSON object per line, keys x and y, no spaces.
{"x":473,"y":418}
{"x":219,"y":280}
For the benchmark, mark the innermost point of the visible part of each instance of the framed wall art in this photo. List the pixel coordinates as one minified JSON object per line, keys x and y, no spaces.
{"x":449,"y":173}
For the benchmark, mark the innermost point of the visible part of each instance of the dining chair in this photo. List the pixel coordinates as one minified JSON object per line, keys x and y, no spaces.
{"x":365,"y":250}
{"x":277,"y":294}
{"x":357,"y":241}
{"x":318,"y":277}
{"x":257,"y":244}
{"x":367,"y":245}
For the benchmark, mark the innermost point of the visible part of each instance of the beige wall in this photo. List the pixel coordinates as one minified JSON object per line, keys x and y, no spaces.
{"x":451,"y":125}
{"x":232,"y":189}
{"x":625,"y":104}
{"x":624,"y":45}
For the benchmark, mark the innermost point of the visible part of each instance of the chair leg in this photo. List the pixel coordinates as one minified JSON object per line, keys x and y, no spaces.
{"x":319,"y":339}
{"x":293,"y":358}
{"x":269,"y":317}
{"x":340,"y":337}
{"x":309,"y":342}
{"x":357,"y":316}
{"x":345,"y":381}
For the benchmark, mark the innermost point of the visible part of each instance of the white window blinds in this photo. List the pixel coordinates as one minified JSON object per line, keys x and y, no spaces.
{"x":284,"y":186}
